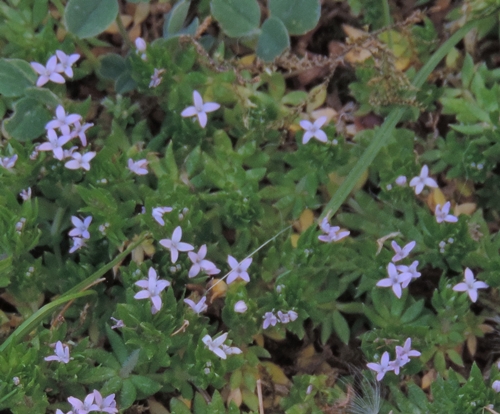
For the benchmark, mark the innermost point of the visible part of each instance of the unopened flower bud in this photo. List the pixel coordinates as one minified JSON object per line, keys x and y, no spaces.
{"x":240,"y":307}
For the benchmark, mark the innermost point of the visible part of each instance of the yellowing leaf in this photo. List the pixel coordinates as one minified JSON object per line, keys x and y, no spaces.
{"x":472,"y":344}
{"x":294,"y":239}
{"x":465,"y":208}
{"x":141,"y":13}
{"x":353,"y":33}
{"x":218,"y":289}
{"x":155,"y":407}
{"x":465,"y":188}
{"x":113,"y":27}
{"x":235,"y":395}
{"x":247,"y":60}
{"x":428,"y":379}
{"x":435,"y":197}
{"x":316,"y":98}
{"x":276,"y":373}
{"x":306,"y":219}
{"x":330,"y":113}
{"x":259,"y":339}
{"x":402,"y":63}
{"x":146,"y":248}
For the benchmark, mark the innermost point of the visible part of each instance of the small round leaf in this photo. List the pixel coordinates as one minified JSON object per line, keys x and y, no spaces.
{"x":87,"y":18}
{"x":299,"y":16}
{"x":237,"y":17}
{"x":273,"y":39}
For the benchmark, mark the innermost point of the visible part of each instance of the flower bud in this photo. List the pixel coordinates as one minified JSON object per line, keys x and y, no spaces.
{"x":240,"y":307}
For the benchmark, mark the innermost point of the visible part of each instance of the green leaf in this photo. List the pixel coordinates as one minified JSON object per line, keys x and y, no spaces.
{"x":341,"y":327}
{"x":96,"y":374}
{"x":88,"y":18}
{"x":237,"y":17}
{"x":128,"y":394}
{"x":145,"y":385}
{"x":130,"y":363}
{"x":178,"y":407}
{"x":412,"y":312}
{"x":15,"y":76}
{"x":125,"y":83}
{"x":28,"y":121}
{"x":112,"y":66}
{"x":174,"y":20}
{"x":455,"y":357}
{"x":299,"y":16}
{"x":273,"y":39}
{"x":117,"y":345}
{"x":44,"y":96}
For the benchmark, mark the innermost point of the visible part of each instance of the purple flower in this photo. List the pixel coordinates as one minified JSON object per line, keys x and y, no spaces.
{"x":26,"y":194}
{"x":78,"y":243}
{"x":333,"y":234}
{"x":441,"y":213}
{"x":63,"y":121}
{"x":405,"y":352}
{"x":138,"y":167}
{"x":199,"y":307}
{"x":55,"y":144}
{"x":238,"y":270}
{"x":383,"y":367}
{"x":215,"y":345}
{"x":395,"y":280}
{"x":412,"y":270}
{"x":470,"y":285}
{"x":79,"y":131}
{"x":313,"y":130}
{"x":80,"y":161}
{"x":61,"y":353}
{"x":286,"y":317}
{"x":175,"y":245}
{"x":152,"y":288}
{"x":81,"y":227}
{"x":269,"y":320}
{"x":200,"y":109}
{"x":240,"y":306}
{"x":47,"y":72}
{"x":199,"y":263}
{"x":422,"y":180}
{"x":401,"y":253}
{"x":401,"y":180}
{"x":156,"y":78}
{"x":82,"y":407}
{"x":66,"y":61}
{"x":118,"y":323}
{"x":158,"y":213}
{"x":105,"y":405}
{"x":8,"y":162}
{"x":496,"y":386}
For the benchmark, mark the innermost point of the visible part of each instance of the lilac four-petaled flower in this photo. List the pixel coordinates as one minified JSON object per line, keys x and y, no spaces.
{"x":470,"y":285}
{"x":200,"y":109}
{"x":238,"y":269}
{"x":152,"y":288}
{"x":175,"y":245}
{"x":313,"y":130}
{"x":422,"y":180}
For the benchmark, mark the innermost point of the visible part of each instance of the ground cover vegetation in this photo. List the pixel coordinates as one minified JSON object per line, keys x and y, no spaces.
{"x":223,"y":206}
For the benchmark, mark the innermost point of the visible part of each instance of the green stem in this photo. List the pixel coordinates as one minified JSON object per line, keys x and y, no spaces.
{"x":384,"y":133}
{"x":82,"y":45}
{"x":387,"y":20}
{"x":55,"y":230}
{"x":123,"y":32}
{"x":34,"y":320}
{"x":76,"y":292}
{"x":59,"y":6}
